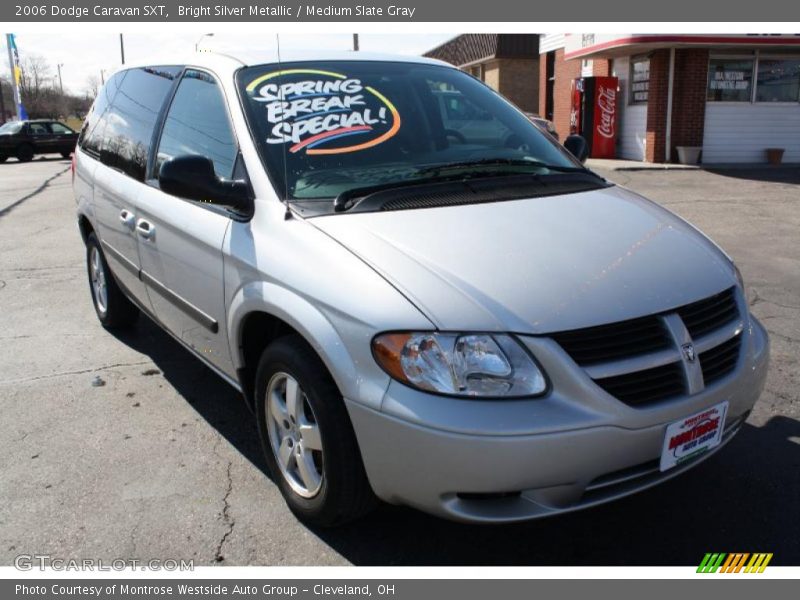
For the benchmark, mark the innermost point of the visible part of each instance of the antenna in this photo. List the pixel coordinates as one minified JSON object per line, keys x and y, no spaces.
{"x":288,"y":214}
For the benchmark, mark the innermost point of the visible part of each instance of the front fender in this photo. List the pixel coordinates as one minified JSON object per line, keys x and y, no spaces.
{"x":349,"y":362}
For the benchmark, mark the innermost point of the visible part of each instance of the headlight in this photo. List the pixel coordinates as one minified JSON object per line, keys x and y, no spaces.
{"x":468,"y":364}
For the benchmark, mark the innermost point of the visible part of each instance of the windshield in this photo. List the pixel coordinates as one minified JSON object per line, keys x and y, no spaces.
{"x":11,"y":127}
{"x":346,"y":125}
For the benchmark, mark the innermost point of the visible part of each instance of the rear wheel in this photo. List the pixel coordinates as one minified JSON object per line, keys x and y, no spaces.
{"x":307,"y":437}
{"x":25,"y":153}
{"x":113,"y":308}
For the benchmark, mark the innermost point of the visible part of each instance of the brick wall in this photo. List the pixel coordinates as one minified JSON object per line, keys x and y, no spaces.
{"x":656,"y":130}
{"x":519,"y":82}
{"x":688,"y":102}
{"x":491,"y":74}
{"x":542,"y":84}
{"x":565,"y":72}
{"x":601,"y":67}
{"x":689,"y":98}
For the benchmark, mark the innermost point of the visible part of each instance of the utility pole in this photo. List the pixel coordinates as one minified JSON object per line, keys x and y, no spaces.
{"x":122,"y":48}
{"x":60,"y":81}
{"x":355,"y":42}
{"x":102,"y":76}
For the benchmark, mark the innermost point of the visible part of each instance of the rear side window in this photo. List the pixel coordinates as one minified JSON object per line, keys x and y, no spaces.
{"x":60,"y":129}
{"x":197,"y":123}
{"x":132,"y":116}
{"x":91,"y":136}
{"x":37,"y":129}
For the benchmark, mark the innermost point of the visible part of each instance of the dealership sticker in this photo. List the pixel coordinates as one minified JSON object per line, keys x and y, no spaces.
{"x":322,"y":112}
{"x":693,"y":435}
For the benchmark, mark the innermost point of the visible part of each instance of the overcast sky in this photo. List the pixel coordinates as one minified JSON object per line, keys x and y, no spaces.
{"x":85,"y":54}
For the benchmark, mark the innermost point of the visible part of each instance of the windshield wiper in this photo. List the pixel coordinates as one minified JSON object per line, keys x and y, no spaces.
{"x":343,"y":201}
{"x":514,"y":162}
{"x":439,"y":174}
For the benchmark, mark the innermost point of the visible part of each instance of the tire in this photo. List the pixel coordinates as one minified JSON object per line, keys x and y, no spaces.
{"x":113,"y":308}
{"x":25,"y":153}
{"x":66,"y":154}
{"x":342,"y":493}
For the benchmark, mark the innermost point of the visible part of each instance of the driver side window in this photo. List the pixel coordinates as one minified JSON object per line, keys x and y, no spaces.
{"x":197,"y":124}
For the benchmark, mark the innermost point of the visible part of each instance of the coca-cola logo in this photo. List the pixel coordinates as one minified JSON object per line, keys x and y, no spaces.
{"x":607,"y":103}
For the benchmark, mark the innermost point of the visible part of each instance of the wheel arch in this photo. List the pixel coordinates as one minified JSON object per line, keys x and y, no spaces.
{"x":261,"y":312}
{"x":85,"y":226}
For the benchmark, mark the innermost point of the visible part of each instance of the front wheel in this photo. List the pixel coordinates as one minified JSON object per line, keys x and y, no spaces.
{"x":307,"y":437}
{"x":113,"y":308}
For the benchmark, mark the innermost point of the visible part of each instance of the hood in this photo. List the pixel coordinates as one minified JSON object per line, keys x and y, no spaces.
{"x":538,"y":265}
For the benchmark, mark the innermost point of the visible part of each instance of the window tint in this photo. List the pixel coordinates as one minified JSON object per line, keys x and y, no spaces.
{"x":640,"y":80}
{"x":60,"y":129}
{"x":94,"y":124}
{"x":778,"y":79}
{"x":37,"y":129}
{"x":729,"y":79}
{"x":132,"y":116}
{"x":197,"y":123}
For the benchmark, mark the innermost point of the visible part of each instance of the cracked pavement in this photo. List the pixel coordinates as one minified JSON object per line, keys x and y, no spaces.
{"x":161,"y":460}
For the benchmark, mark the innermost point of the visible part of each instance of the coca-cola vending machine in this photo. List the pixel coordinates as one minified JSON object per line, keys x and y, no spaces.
{"x":594,"y":114}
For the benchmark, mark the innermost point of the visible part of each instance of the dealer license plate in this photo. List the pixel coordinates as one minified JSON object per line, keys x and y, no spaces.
{"x":693,"y":435}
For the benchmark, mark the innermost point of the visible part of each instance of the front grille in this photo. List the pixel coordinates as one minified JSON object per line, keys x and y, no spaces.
{"x":645,"y":387}
{"x":598,"y":348}
{"x":707,"y":315}
{"x":721,"y":360}
{"x":611,"y":342}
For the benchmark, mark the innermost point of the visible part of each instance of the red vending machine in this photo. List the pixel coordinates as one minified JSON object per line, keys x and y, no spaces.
{"x":594,"y":114}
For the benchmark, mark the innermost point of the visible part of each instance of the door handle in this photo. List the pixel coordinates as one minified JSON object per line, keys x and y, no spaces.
{"x":145,"y":229}
{"x":127,"y":218}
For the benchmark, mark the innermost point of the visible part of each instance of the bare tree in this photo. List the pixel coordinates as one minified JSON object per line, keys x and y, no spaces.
{"x":92,"y":86}
{"x":36,"y":77}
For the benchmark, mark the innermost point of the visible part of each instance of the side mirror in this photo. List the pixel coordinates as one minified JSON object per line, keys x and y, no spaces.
{"x":193,"y":177}
{"x":577,"y":146}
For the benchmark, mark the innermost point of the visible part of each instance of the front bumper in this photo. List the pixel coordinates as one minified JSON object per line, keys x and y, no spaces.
{"x":505,"y":461}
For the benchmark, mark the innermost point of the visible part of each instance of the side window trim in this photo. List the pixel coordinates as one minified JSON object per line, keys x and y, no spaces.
{"x":160,"y":122}
{"x":158,"y":128}
{"x":151,"y":178}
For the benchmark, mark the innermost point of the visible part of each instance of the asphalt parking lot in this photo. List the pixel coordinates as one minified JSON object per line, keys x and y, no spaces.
{"x":159,"y":458}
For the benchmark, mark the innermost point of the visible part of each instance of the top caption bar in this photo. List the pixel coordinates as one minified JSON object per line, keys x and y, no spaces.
{"x":450,"y":11}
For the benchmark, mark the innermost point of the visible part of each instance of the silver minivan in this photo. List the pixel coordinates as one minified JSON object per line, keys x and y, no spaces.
{"x":459,"y":318}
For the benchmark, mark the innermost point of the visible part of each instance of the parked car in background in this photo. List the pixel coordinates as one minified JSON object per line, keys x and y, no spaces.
{"x":421,"y":296}
{"x":26,"y":139}
{"x":545,"y":125}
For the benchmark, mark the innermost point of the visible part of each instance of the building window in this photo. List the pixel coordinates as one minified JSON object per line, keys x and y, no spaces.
{"x":478,"y":71}
{"x":778,"y":79}
{"x":640,"y":80}
{"x":730,"y":79}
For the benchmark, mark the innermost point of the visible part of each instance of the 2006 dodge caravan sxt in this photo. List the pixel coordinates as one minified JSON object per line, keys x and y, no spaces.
{"x":422,"y":297}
